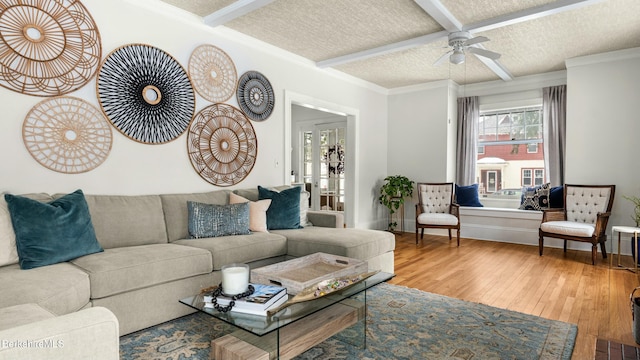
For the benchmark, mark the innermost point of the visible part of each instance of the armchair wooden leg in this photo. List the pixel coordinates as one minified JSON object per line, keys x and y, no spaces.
{"x":540,"y":244}
{"x":594,"y":252}
{"x":603,"y":249}
{"x":458,"y":237}
{"x":417,"y":235}
{"x":565,"y":246}
{"x":449,"y":234}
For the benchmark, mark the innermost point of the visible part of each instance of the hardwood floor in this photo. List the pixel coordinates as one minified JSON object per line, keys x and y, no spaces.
{"x":559,"y":286}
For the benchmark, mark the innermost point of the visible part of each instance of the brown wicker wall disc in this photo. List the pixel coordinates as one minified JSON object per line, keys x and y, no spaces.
{"x":67,"y":135}
{"x":212,"y":73}
{"x":47,"y":48}
{"x":255,"y":95}
{"x":222,"y":145}
{"x":145,"y":93}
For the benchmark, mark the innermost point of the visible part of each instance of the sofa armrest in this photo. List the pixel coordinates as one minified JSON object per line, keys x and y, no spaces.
{"x":87,"y":334}
{"x":324,"y":218}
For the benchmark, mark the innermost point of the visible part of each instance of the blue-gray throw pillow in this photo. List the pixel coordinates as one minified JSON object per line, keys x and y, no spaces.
{"x":53,"y":232}
{"x":284,"y":211}
{"x":467,"y":195}
{"x":210,"y":220}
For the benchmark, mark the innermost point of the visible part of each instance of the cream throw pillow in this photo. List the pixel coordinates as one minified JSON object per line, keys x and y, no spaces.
{"x":8,"y":250}
{"x":257,"y":211}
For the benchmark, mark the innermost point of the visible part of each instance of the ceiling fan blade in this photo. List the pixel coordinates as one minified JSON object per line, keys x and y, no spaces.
{"x":482,"y":52}
{"x":476,"y":40}
{"x":443,"y":58}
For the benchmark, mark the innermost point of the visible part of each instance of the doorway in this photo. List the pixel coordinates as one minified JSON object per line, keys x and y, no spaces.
{"x":322,"y":168}
{"x":335,"y":169}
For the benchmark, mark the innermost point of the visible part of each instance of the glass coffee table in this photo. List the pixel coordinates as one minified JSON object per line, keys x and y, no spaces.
{"x":294,"y":329}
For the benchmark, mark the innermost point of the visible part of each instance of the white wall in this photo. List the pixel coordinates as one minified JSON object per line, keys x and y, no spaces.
{"x":603,"y":127}
{"x":135,"y":168}
{"x":420,"y":144}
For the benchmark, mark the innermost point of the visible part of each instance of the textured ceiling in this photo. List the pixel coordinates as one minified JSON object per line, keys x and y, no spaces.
{"x":325,"y":29}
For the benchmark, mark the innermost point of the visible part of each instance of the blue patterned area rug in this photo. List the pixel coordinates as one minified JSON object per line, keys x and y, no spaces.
{"x":402,"y":323}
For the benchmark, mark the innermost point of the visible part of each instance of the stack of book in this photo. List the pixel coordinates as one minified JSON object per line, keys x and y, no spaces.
{"x":264,"y":297}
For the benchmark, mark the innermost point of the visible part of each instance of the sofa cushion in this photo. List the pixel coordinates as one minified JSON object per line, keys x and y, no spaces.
{"x":284,"y":211}
{"x":53,"y":232}
{"x":22,"y":314}
{"x":359,"y":244}
{"x":240,"y":248}
{"x":60,"y":288}
{"x":209,"y":220}
{"x":118,"y":270}
{"x":127,"y":220}
{"x":176,"y":214}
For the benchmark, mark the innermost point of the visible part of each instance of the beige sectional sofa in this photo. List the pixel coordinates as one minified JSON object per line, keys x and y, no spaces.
{"x":149,"y":261}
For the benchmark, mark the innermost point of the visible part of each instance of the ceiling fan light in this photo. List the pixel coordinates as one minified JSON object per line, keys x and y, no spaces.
{"x":457,"y":57}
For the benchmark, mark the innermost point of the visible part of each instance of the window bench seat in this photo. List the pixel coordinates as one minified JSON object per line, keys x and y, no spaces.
{"x":507,"y":225}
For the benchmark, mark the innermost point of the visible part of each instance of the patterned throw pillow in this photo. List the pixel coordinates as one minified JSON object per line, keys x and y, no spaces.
{"x":209,"y":220}
{"x":535,"y":198}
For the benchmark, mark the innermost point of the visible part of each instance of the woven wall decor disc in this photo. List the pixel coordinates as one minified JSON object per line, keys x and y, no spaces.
{"x":255,"y":95}
{"x":212,"y":73}
{"x":222,"y":145}
{"x":67,"y":135}
{"x":145,"y":93}
{"x":47,"y":48}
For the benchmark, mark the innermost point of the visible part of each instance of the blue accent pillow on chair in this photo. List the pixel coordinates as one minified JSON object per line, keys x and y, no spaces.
{"x":53,"y":232}
{"x":284,"y":211}
{"x":467,"y":195}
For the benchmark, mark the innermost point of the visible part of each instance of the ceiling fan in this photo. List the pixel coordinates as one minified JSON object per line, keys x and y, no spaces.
{"x":460,"y":42}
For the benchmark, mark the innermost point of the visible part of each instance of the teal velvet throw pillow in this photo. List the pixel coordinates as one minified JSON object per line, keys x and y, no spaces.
{"x":284,"y":211}
{"x":53,"y":232}
{"x":210,"y":220}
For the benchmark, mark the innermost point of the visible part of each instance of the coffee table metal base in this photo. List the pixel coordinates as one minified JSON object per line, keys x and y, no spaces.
{"x":293,"y":339}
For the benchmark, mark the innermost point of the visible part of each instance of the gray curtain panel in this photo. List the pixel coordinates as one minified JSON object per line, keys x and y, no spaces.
{"x":467,"y":148}
{"x":554,"y":115}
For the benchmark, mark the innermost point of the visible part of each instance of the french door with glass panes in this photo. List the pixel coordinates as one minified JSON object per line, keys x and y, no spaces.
{"x":324,"y":165}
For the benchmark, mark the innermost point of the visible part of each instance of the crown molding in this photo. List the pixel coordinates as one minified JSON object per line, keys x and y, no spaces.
{"x":438,"y":84}
{"x":522,"y":83}
{"x":603,"y":57}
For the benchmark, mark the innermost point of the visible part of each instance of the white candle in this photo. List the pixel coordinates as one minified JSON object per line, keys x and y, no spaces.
{"x":235,"y":279}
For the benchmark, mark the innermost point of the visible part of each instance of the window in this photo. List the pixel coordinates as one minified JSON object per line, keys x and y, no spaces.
{"x":512,"y":155}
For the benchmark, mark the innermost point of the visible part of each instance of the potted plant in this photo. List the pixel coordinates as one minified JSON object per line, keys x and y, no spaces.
{"x":392,"y":194}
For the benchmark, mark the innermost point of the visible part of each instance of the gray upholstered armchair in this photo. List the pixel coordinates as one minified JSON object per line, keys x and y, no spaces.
{"x":436,"y":209}
{"x":584,"y":217}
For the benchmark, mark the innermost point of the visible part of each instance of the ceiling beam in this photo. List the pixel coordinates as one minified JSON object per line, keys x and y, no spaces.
{"x":440,"y":14}
{"x":443,"y":16}
{"x":528,"y":14}
{"x":494,"y":65}
{"x":234,"y":10}
{"x":385,"y":49}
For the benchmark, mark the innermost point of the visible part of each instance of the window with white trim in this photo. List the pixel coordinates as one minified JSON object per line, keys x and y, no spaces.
{"x":512,"y":156}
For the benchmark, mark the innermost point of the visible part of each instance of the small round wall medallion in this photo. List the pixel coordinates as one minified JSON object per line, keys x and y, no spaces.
{"x":222,"y":145}
{"x":255,"y":95}
{"x":145,"y":93}
{"x":213,"y":73}
{"x":67,"y":135}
